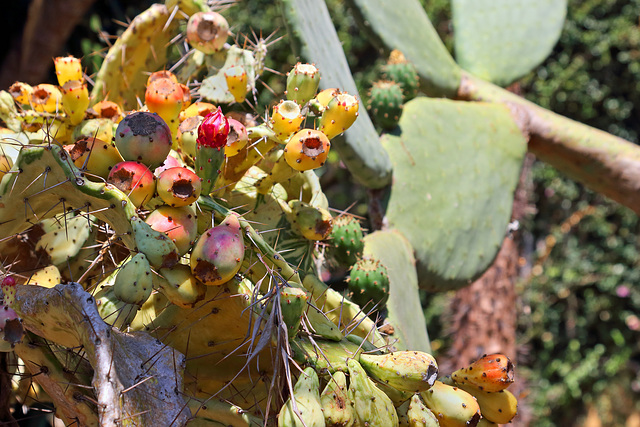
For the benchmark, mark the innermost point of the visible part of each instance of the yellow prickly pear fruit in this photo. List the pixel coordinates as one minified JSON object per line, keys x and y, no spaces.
{"x":5,"y":165}
{"x":237,"y":80}
{"x":309,"y":221}
{"x":134,"y":281}
{"x":179,"y":286}
{"x":21,"y":92}
{"x":413,"y":371}
{"x":499,"y":406}
{"x":339,"y":114}
{"x":46,"y":98}
{"x":486,"y":423}
{"x":373,"y":408}
{"x":307,"y":149}
{"x":327,"y":95}
{"x":286,"y":119}
{"x":452,"y":406}
{"x":419,"y":415}
{"x":302,"y":83}
{"x":108,"y":110}
{"x":75,"y":100}
{"x":47,"y":277}
{"x":200,"y":108}
{"x":68,"y":68}
{"x":306,"y":394}
{"x":237,"y":138}
{"x":336,"y":405}
{"x":493,"y":372}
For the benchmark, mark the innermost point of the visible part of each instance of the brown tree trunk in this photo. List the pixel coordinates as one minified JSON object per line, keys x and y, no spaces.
{"x":49,"y":24}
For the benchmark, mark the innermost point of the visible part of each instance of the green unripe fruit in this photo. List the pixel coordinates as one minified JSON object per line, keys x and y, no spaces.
{"x":336,"y":405}
{"x":306,"y":394}
{"x":369,"y":283}
{"x":293,"y":303}
{"x":413,"y":371}
{"x":134,"y":281}
{"x":372,"y":406}
{"x":418,"y":415}
{"x":386,"y":103}
{"x":399,"y":70}
{"x":309,"y":221}
{"x":302,"y":83}
{"x":345,"y":241}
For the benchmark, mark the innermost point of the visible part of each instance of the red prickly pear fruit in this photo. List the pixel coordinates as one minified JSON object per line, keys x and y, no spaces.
{"x":218,"y":253}
{"x":179,"y":224}
{"x":68,"y":69}
{"x":178,"y":187}
{"x":164,"y":97}
{"x":46,"y":98}
{"x":307,"y":149}
{"x":75,"y":100}
{"x":9,"y":290}
{"x":493,"y":372}
{"x":21,"y":92}
{"x":302,"y":83}
{"x":108,"y":110}
{"x":135,"y":180}
{"x":162,"y":74}
{"x":96,"y":156}
{"x":286,"y":119}
{"x":207,"y":31}
{"x":200,"y":108}
{"x":237,"y":138}
{"x":10,"y":325}
{"x":237,"y":79}
{"x":339,"y":114}
{"x":143,"y":137}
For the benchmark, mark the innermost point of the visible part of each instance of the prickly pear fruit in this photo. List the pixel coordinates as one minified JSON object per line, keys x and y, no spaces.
{"x":493,"y":372}
{"x":178,"y":187}
{"x":160,"y":251}
{"x":369,"y":283}
{"x":75,"y":100}
{"x":143,"y":137}
{"x":285,"y":119}
{"x":398,"y":397}
{"x":161,"y":74}
{"x":499,"y":406}
{"x":188,"y":135}
{"x":419,"y":415}
{"x":10,"y":327}
{"x":21,"y":92}
{"x":5,"y":165}
{"x":372,"y":406}
{"x":237,"y":138}
{"x":165,"y":97}
{"x":172,"y":161}
{"x":237,"y":80}
{"x":307,"y":149}
{"x":486,"y":423}
{"x":336,"y":405}
{"x":218,"y":253}
{"x":113,"y":311}
{"x":46,"y":98}
{"x":309,"y":221}
{"x":8,"y":290}
{"x":68,"y":69}
{"x":200,"y":108}
{"x":386,"y":103}
{"x":302,"y":83}
{"x":179,"y":286}
{"x":134,"y":281}
{"x":293,"y":304}
{"x":308,"y":409}
{"x":135,"y":180}
{"x":47,"y":277}
{"x":399,"y":70}
{"x":212,"y":138}
{"x":345,"y":243}
{"x":452,"y":406}
{"x":102,"y":129}
{"x":95,"y":156}
{"x":339,"y":114}
{"x":178,"y":223}
{"x":207,"y":31}
{"x":325,"y":96}
{"x":108,"y":110}
{"x":413,"y":371}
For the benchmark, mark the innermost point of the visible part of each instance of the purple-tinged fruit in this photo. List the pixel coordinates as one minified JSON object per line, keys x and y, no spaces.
{"x":218,"y":253}
{"x":178,"y":187}
{"x":178,"y":223}
{"x":143,"y":137}
{"x":135,"y":180}
{"x":207,"y":31}
{"x":9,"y":290}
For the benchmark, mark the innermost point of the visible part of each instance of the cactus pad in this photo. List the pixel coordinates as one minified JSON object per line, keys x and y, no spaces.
{"x":460,"y":163}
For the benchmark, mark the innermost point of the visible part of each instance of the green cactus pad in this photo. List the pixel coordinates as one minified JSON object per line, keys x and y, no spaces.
{"x":404,"y":25}
{"x":385,"y":103}
{"x":456,"y":167}
{"x":360,"y":149}
{"x":404,"y":311}
{"x":502,"y":40}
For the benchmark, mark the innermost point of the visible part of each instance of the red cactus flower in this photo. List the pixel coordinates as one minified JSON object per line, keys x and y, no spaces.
{"x":213,"y":130}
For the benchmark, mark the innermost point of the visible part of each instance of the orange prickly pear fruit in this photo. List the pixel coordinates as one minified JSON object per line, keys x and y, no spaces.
{"x":236,"y":78}
{"x":75,"y":100}
{"x":178,"y":186}
{"x":162,"y":74}
{"x":286,"y":119}
{"x":307,"y":149}
{"x":493,"y":372}
{"x":46,"y":98}
{"x":108,"y":110}
{"x":165,"y":97}
{"x":339,"y":114}
{"x":68,"y":68}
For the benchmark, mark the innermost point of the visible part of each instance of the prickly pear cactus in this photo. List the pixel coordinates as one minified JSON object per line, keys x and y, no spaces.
{"x":386,"y":100}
